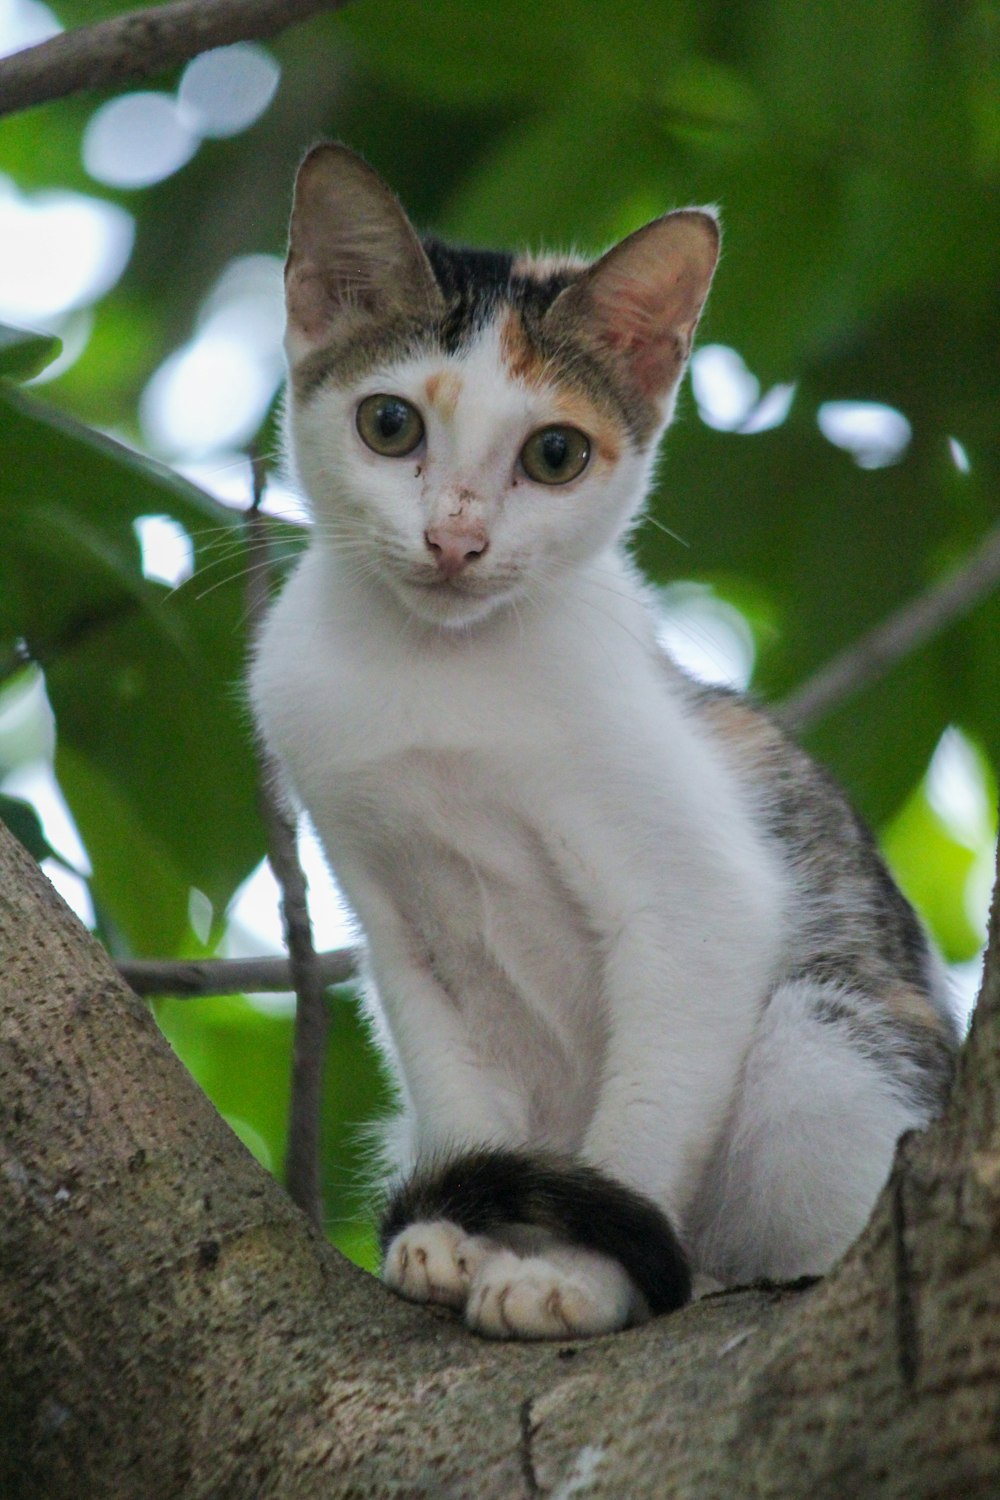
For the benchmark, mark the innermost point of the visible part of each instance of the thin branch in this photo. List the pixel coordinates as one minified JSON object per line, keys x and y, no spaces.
{"x":302,"y":1163}
{"x":897,"y":637}
{"x":191,"y":979}
{"x":125,"y":48}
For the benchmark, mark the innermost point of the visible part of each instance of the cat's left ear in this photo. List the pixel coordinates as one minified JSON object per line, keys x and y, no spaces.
{"x":642,"y":300}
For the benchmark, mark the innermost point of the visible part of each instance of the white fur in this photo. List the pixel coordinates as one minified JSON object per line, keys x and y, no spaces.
{"x":573,"y":919}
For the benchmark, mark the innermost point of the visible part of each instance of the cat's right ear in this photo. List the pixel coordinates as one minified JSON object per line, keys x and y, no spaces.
{"x":352,"y":252}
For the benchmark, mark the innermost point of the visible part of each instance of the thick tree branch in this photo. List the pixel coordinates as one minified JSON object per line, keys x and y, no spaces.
{"x":312,"y":1019}
{"x":125,"y":48}
{"x":895,"y":638}
{"x":146,"y":1255}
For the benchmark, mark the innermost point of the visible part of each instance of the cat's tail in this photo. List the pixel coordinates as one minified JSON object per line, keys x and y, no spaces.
{"x":488,"y":1190}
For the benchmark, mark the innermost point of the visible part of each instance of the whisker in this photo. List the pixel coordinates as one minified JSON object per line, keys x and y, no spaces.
{"x":652,"y":520}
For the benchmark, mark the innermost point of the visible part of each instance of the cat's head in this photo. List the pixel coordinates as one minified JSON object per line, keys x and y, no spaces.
{"x":469,"y":424}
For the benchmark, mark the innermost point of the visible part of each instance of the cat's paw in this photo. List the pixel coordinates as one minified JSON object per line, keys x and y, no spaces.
{"x":434,"y":1261}
{"x":564,"y":1293}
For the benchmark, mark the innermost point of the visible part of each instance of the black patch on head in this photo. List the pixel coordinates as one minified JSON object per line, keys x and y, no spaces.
{"x":475,"y":282}
{"x":487,"y":1190}
{"x":472,"y":282}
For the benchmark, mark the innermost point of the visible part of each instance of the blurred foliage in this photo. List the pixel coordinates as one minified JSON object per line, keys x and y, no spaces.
{"x":855,"y":152}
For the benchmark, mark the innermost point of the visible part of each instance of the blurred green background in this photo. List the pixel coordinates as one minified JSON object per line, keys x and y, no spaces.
{"x":835,"y":452}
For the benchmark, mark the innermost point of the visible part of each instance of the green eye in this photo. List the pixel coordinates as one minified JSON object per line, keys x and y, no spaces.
{"x":555,"y":455}
{"x":390,"y":425}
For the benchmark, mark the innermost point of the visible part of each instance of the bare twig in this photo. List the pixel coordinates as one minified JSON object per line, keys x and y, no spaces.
{"x":190,"y":979}
{"x":302,"y":1162}
{"x":895,"y":638}
{"x":125,"y":48}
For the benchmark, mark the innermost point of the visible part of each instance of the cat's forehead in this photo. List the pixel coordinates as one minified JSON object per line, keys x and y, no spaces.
{"x":480,"y":285}
{"x":482,"y":291}
{"x":491,"y":328}
{"x":483,"y":381}
{"x":496,"y":387}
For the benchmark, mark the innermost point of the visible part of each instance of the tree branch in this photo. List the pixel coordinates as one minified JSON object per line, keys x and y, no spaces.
{"x":895,"y":638}
{"x":145,"y":1253}
{"x":312,"y":1019}
{"x":186,"y":979}
{"x":125,"y":48}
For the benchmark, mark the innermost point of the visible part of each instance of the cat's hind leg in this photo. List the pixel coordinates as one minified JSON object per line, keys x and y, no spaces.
{"x":832,"y":1079}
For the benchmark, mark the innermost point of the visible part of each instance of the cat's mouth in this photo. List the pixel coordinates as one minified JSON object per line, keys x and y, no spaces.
{"x":453,"y":601}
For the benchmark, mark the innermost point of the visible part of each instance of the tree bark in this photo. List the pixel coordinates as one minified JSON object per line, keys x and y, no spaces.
{"x":123,"y":49}
{"x":172,"y":1326}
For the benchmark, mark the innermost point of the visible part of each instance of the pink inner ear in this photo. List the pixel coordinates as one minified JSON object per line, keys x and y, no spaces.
{"x":647,"y":295}
{"x":308,"y":303}
{"x":643,"y":328}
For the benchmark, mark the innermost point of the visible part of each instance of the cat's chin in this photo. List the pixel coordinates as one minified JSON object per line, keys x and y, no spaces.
{"x":446,"y":606}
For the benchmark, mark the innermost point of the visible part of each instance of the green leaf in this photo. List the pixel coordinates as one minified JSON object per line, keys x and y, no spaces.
{"x":933,"y":869}
{"x":241,"y":1056}
{"x":145,"y":682}
{"x":24,"y":353}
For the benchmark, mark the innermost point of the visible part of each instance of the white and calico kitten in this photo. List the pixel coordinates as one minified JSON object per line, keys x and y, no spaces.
{"x":652,"y":999}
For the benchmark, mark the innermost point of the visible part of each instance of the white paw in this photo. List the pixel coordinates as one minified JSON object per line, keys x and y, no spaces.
{"x":434,"y":1261}
{"x":565,"y":1293}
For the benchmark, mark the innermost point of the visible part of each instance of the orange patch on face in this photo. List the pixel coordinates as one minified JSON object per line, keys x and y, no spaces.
{"x":523,"y":361}
{"x":443,"y":391}
{"x":605,"y":437}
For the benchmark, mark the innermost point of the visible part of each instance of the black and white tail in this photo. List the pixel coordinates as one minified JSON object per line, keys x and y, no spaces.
{"x":530,"y":1244}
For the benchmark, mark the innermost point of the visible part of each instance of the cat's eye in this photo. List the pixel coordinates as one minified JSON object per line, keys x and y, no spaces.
{"x":389,"y":425}
{"x":555,"y":455}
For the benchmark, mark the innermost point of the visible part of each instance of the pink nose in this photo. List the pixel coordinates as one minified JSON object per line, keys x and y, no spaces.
{"x":455,"y":547}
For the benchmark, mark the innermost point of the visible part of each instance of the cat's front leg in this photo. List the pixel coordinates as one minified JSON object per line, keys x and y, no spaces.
{"x":448,"y":1094}
{"x":684,"y":1009}
{"x":691,"y":926}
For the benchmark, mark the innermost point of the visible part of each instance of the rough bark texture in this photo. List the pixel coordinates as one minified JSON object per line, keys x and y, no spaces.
{"x":172,"y":1326}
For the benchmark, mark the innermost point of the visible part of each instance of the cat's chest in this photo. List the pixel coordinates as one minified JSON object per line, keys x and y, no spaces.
{"x":499,"y":747}
{"x":351,"y":705}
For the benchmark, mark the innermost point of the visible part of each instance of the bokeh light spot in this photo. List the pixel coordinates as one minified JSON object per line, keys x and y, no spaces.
{"x":224,"y":91}
{"x":728,"y":394}
{"x":136,"y":140}
{"x":167,"y":550}
{"x":58,"y":251}
{"x":873,"y":434}
{"x":23,"y":23}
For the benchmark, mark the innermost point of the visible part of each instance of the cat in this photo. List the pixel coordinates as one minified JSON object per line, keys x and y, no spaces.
{"x":655,"y":1007}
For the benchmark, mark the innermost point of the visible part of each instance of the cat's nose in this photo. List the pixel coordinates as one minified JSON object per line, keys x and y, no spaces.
{"x":455,"y":547}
